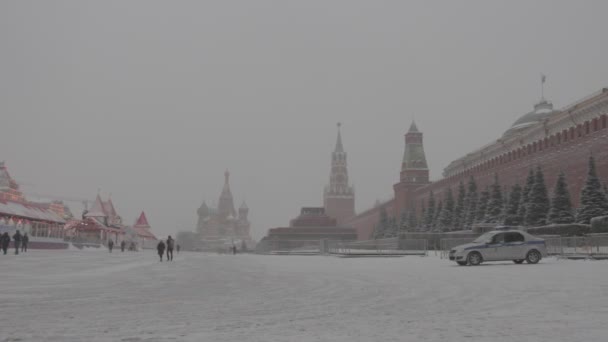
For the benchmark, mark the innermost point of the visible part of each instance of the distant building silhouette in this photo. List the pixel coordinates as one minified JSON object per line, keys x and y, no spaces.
{"x":223,"y":224}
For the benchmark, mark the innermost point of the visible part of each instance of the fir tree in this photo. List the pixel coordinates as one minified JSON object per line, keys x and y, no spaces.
{"x":383,"y":225}
{"x":430,"y":212}
{"x":445,"y":220}
{"x":393,"y":228}
{"x":505,"y":200}
{"x":495,"y":203}
{"x":538,"y":201}
{"x":437,"y":214}
{"x":512,"y":217}
{"x":412,"y":220}
{"x":593,"y":199}
{"x":422,"y":221}
{"x":482,"y":204}
{"x":561,"y":206}
{"x":404,"y":223}
{"x":471,"y":203}
{"x":525,"y":194}
{"x":459,"y":209}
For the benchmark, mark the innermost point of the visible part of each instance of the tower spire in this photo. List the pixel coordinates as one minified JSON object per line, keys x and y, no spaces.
{"x":413,"y":128}
{"x":543,"y":79}
{"x":339,"y":147}
{"x":226,"y":203}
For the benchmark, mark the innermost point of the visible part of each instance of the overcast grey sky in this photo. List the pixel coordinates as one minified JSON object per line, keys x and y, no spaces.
{"x":152,"y":100}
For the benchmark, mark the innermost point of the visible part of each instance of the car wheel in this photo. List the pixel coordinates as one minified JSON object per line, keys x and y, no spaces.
{"x":474,"y":258}
{"x":519,"y":261}
{"x":461,"y":263}
{"x":533,"y":257}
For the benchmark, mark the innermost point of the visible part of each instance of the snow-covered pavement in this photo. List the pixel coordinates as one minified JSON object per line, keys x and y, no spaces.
{"x":97,"y":296}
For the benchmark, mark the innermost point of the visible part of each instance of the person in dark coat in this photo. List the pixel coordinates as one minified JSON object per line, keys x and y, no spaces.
{"x":5,"y":240}
{"x":24,"y":242}
{"x":122,"y":246}
{"x":161,"y":249}
{"x":178,"y":248}
{"x":170,"y":244}
{"x":17,"y":241}
{"x":110,"y":245}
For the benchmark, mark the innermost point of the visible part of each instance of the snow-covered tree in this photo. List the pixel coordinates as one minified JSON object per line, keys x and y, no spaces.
{"x":446,"y":217}
{"x":383,"y":225}
{"x":512,"y":217}
{"x":525,"y":192}
{"x":430,"y":212}
{"x":393,"y":228}
{"x":593,"y":199}
{"x":438,"y":211}
{"x":412,"y":220}
{"x":482,"y":204}
{"x":422,"y":220}
{"x":403,"y":222}
{"x":471,"y":203}
{"x":495,"y":203}
{"x":538,"y":201}
{"x":561,"y":206}
{"x":459,"y":209}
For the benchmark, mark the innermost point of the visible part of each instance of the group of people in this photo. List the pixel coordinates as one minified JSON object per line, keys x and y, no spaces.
{"x":123,"y":245}
{"x":19,"y":241}
{"x":162,"y":246}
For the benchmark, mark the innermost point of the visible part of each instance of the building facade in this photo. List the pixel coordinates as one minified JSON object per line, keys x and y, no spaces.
{"x":216,"y":226}
{"x":556,"y":140}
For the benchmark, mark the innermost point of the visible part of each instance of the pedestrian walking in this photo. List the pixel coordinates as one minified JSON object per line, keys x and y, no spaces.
{"x":160,"y":248}
{"x":233,"y":250}
{"x":24,"y":242}
{"x":170,"y":244}
{"x":110,"y":245}
{"x":17,"y":241}
{"x":178,"y":247}
{"x":122,"y":246}
{"x":5,"y":240}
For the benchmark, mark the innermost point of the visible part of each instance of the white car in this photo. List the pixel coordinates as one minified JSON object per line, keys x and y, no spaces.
{"x":500,"y":245}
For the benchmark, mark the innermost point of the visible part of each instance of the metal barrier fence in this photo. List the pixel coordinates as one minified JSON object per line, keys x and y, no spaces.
{"x":390,"y":246}
{"x":379,"y":247}
{"x":295,"y":247}
{"x":590,"y":246}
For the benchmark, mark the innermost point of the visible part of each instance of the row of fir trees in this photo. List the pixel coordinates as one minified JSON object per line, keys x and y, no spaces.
{"x":527,"y":205}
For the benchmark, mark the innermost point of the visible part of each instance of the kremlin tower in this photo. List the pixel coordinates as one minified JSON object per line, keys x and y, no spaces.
{"x":339,"y":196}
{"x":414,"y":171}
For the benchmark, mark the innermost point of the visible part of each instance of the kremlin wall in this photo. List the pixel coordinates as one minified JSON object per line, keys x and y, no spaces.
{"x":556,"y":140}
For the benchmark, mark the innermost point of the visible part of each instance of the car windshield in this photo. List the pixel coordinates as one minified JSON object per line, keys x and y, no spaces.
{"x":485,"y":237}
